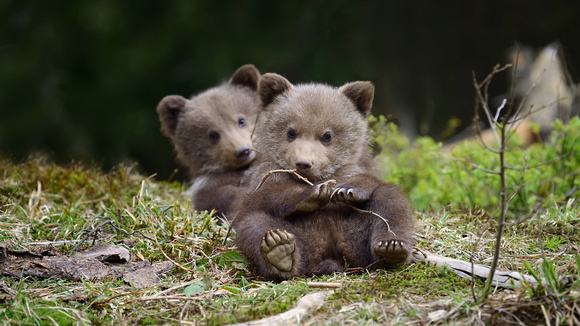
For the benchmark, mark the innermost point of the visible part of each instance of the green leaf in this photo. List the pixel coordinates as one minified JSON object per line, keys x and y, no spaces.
{"x":244,"y":282}
{"x":232,"y":258}
{"x":530,"y":269}
{"x":194,"y":289}
{"x":232,"y":289}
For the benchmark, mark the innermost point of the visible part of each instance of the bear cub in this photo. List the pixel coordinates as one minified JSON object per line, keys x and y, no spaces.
{"x":289,"y":228}
{"x":211,"y":134}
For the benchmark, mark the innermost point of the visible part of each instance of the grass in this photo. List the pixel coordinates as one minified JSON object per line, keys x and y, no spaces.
{"x":211,"y":284}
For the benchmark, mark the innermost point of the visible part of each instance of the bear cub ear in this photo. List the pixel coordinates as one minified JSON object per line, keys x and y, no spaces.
{"x":270,"y":86}
{"x":246,"y":76}
{"x":361,"y":93}
{"x":169,"y":110}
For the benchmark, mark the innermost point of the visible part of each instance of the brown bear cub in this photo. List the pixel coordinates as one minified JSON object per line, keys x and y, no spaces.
{"x":211,"y":133}
{"x":289,"y":228}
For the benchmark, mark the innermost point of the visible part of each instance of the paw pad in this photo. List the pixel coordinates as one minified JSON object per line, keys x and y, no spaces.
{"x":278,"y":247}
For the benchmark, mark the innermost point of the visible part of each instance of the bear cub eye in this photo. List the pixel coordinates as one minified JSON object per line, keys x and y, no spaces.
{"x":214,"y":135}
{"x":326,"y":137}
{"x":291,"y":133}
{"x":242,"y":122}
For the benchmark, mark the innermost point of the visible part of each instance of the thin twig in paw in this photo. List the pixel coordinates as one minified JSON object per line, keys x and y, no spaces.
{"x":283,"y":171}
{"x":375,"y":214}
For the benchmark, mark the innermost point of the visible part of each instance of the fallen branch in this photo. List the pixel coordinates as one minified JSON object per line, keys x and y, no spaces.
{"x":305,"y":306}
{"x":506,"y":279}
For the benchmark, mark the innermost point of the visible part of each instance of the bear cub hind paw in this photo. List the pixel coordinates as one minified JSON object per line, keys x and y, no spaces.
{"x":278,"y":248}
{"x":392,"y":253}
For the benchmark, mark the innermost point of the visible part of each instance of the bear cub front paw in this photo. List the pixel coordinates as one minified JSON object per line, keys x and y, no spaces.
{"x":319,"y":197}
{"x":278,"y":248}
{"x":350,"y":195}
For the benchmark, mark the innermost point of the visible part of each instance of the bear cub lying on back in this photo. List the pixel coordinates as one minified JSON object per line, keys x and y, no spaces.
{"x":211,"y":134}
{"x":289,"y":228}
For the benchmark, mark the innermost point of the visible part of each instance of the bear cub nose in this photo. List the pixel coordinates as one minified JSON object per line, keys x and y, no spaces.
{"x":243,"y":151}
{"x":303,"y":164}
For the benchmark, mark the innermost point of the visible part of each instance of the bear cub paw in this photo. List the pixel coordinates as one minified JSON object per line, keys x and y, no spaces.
{"x":319,"y":197}
{"x":391,"y":253}
{"x":350,"y":195}
{"x":278,"y":248}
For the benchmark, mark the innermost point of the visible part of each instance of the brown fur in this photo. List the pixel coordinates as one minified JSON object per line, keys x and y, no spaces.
{"x":288,"y":228}
{"x":210,"y":139}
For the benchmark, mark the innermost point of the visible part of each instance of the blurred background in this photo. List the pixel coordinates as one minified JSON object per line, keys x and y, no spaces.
{"x":80,"y":80}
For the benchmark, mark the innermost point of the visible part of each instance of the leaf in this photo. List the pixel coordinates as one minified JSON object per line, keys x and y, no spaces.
{"x":231,"y":289}
{"x":232,"y":258}
{"x":532,"y":271}
{"x":244,"y":283}
{"x":194,"y":289}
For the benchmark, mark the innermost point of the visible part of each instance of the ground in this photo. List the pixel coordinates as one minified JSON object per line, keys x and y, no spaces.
{"x":210,"y":283}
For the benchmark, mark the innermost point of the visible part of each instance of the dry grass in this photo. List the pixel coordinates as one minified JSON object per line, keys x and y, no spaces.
{"x":211,"y":284}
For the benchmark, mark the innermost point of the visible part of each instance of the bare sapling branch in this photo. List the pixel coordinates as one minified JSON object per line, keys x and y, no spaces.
{"x":502,"y":130}
{"x":499,"y":132}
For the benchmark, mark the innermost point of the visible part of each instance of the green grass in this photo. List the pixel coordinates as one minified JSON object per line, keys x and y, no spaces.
{"x":41,"y":201}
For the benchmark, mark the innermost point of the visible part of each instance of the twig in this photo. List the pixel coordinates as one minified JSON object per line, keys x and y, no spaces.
{"x":169,"y":258}
{"x":89,"y":233}
{"x":283,"y":171}
{"x":305,"y":306}
{"x":546,"y":162}
{"x":99,"y":227}
{"x":484,"y":169}
{"x":167,"y":297}
{"x":375,"y":214}
{"x":107,"y":300}
{"x":483,"y":98}
{"x":324,"y":285}
{"x":182,"y":285}
{"x":53,"y":243}
{"x":229,"y":230}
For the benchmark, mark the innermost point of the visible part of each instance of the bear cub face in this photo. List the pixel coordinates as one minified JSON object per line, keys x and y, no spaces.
{"x":313,"y":128}
{"x":211,"y":131}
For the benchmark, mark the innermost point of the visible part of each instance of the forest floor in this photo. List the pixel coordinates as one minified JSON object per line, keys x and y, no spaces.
{"x":172,"y":265}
